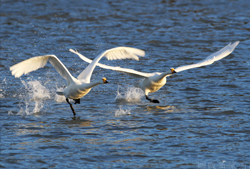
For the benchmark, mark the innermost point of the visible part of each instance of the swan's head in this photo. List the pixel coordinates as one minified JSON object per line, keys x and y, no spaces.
{"x":104,"y":80}
{"x":172,"y":70}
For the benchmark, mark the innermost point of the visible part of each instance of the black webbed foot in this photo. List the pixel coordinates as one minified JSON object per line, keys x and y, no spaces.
{"x":77,"y":101}
{"x":152,"y":100}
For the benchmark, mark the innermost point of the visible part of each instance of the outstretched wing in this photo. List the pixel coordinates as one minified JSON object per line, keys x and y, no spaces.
{"x":212,"y":58}
{"x":37,"y":62}
{"x":111,"y":54}
{"x":115,"y":68}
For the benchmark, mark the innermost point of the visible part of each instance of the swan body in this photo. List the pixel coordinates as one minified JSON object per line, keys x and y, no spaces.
{"x":79,"y":89}
{"x":152,"y":82}
{"x":80,"y":86}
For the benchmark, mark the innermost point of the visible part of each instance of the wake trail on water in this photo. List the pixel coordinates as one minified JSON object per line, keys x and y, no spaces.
{"x":129,"y":94}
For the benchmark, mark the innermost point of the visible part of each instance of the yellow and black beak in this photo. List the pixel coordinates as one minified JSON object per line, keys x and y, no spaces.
{"x":173,"y":71}
{"x":104,"y":80}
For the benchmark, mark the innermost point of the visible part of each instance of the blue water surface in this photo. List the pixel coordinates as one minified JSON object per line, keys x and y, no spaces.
{"x":202,"y":120}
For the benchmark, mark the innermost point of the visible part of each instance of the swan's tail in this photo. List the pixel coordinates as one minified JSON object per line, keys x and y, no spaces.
{"x":59,"y":92}
{"x":137,"y":84}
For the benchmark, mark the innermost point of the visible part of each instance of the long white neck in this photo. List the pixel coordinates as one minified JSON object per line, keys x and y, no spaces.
{"x":92,"y":84}
{"x":165,"y":74}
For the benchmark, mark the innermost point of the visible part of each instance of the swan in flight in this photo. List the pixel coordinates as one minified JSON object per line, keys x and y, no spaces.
{"x":152,"y":82}
{"x":80,"y":86}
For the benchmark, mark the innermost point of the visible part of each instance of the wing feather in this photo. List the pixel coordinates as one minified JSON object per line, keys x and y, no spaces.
{"x":225,"y":51}
{"x":37,"y":62}
{"x":131,"y":72}
{"x":111,"y":54}
{"x":28,"y":65}
{"x":123,"y":53}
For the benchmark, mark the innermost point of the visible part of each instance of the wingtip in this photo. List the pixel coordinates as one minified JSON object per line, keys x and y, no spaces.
{"x":235,"y":43}
{"x":233,"y":46}
{"x":143,"y":54}
{"x":11,"y":68}
{"x":16,"y":75}
{"x":13,"y":71}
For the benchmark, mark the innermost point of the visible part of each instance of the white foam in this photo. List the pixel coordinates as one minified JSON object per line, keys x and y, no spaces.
{"x":10,"y":113}
{"x":129,"y":94}
{"x":2,"y":85}
{"x":33,"y":98}
{"x":121,"y":112}
{"x":1,"y":95}
{"x":59,"y":98}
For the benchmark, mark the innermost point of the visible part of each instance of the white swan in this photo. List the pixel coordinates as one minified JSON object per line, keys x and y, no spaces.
{"x":154,"y":81}
{"x":80,"y":86}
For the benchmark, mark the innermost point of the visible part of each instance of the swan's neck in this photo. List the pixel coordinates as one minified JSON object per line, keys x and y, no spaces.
{"x":165,"y":74}
{"x":92,"y":84}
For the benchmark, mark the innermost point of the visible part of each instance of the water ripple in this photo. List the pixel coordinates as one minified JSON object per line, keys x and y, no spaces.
{"x":202,"y":120}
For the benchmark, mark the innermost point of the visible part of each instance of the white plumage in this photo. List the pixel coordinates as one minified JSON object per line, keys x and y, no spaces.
{"x":80,"y":86}
{"x":152,"y":82}
{"x":211,"y":58}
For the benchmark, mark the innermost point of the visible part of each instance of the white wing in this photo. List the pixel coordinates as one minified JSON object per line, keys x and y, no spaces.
{"x":37,"y":62}
{"x":111,"y":54}
{"x":115,"y":68}
{"x":212,"y":58}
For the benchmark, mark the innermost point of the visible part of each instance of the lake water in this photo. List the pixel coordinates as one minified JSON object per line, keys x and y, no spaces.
{"x":202,"y":120}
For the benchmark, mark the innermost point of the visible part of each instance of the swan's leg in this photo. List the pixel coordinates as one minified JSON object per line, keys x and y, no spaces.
{"x":71,"y":107}
{"x":77,"y":101}
{"x":152,"y":100}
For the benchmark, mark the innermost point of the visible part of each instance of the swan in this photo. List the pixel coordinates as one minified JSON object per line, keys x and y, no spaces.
{"x":152,"y":82}
{"x":80,"y":86}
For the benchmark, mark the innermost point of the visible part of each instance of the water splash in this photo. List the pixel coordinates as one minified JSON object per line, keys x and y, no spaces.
{"x":121,"y":112}
{"x":59,"y":98}
{"x":1,"y":95}
{"x":34,"y":97}
{"x":131,"y":94}
{"x":10,"y":113}
{"x":2,"y":87}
